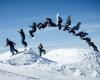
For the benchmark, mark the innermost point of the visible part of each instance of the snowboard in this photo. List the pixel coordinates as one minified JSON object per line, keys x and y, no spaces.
{"x":19,"y":52}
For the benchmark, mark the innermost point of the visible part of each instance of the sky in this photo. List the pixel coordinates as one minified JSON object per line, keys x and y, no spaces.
{"x":20,"y":14}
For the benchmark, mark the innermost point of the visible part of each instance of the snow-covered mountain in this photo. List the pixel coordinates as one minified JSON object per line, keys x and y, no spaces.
{"x":60,"y":64}
{"x":25,"y":57}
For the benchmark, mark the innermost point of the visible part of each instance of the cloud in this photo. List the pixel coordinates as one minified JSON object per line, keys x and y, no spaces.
{"x":91,"y":27}
{"x":27,"y":19}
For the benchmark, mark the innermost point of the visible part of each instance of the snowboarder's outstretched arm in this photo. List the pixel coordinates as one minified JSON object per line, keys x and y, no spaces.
{"x":19,"y":31}
{"x":6,"y":45}
{"x":30,"y":26}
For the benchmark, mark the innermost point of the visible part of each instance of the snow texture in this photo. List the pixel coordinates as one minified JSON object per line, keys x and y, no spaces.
{"x":60,"y":64}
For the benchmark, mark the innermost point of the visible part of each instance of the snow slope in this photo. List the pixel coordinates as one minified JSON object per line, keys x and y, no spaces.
{"x":25,"y":58}
{"x":60,"y":64}
{"x":63,"y":56}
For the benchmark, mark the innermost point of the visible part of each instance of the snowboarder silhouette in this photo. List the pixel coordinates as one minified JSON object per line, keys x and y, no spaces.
{"x":81,"y":34}
{"x":23,"y":37}
{"x":75,"y":28}
{"x":72,"y":31}
{"x":59,"y":21}
{"x":94,"y":46}
{"x":50,"y":22}
{"x":39,"y":25}
{"x":42,"y":25}
{"x":31,"y":33}
{"x":40,"y":47}
{"x":67,"y":24}
{"x":11,"y":45}
{"x":87,"y":39}
{"x":34,"y":27}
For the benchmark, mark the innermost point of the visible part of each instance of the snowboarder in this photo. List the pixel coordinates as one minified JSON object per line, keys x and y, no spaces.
{"x":94,"y":46}
{"x":23,"y":37}
{"x":87,"y":39}
{"x":50,"y":22}
{"x":31,"y":33}
{"x":81,"y":34}
{"x":59,"y":21}
{"x":42,"y":25}
{"x":40,"y":47}
{"x":39,"y":25}
{"x":67,"y":24}
{"x":75,"y":28}
{"x":11,"y":45}
{"x":34,"y":27}
{"x":72,"y":31}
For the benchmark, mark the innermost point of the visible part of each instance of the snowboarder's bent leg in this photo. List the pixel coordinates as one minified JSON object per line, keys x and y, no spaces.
{"x":16,"y":51}
{"x":43,"y":51}
{"x":12,"y":50}
{"x":24,"y":43}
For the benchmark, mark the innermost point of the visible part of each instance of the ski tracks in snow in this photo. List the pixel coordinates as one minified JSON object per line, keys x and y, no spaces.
{"x":19,"y":75}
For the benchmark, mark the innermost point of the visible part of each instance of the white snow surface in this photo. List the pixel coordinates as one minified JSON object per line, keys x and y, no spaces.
{"x":60,"y":64}
{"x":63,"y":56}
{"x":24,"y":58}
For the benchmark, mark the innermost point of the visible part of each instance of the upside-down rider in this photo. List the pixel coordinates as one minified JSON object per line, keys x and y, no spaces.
{"x":67,"y":24}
